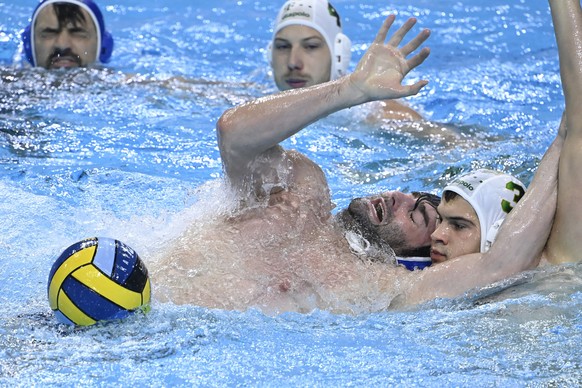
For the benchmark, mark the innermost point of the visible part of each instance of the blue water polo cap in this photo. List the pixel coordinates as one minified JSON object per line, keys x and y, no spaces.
{"x":104,"y":42}
{"x":413,"y":263}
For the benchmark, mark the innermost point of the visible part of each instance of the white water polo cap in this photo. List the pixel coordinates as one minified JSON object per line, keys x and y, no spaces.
{"x":492,"y":194}
{"x":322,"y":17}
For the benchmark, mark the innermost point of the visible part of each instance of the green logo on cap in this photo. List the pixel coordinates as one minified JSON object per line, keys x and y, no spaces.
{"x":334,"y":13}
{"x":519,"y":191}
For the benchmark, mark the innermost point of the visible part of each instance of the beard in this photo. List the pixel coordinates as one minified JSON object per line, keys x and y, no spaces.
{"x":387,"y":237}
{"x":57,"y":53}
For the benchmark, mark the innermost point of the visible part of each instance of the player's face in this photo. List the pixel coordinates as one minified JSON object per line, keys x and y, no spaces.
{"x":458,"y":231}
{"x":300,"y":57}
{"x":395,"y":218}
{"x":73,"y":44}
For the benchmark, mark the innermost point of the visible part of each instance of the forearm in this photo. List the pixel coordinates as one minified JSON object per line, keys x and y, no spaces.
{"x":525,"y":231}
{"x":565,"y":241}
{"x":252,"y":128}
{"x":567,"y":19}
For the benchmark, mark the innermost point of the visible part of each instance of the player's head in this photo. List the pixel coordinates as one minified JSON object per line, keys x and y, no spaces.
{"x":308,"y":46}
{"x":472,"y":208}
{"x":66,"y":33}
{"x":394,"y":220}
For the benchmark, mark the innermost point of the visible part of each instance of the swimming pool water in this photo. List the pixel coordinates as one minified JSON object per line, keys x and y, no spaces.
{"x":127,"y":152}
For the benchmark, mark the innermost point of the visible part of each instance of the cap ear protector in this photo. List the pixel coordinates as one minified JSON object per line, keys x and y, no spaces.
{"x":322,"y":17}
{"x":104,"y":38}
{"x":341,"y":56}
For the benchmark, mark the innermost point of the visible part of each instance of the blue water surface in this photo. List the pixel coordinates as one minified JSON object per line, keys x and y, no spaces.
{"x":128,"y":151}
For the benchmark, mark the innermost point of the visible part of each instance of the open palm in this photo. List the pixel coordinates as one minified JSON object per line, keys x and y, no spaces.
{"x":380,"y":72}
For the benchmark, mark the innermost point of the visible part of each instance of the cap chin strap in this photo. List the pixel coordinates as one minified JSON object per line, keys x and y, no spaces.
{"x":491,"y":235}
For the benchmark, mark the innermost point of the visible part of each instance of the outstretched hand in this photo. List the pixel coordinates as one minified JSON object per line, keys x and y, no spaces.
{"x":380,"y":72}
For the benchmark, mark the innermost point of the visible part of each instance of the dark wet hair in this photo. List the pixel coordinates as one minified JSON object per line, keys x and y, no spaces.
{"x":415,"y":252}
{"x":448,"y":195}
{"x":69,"y":13}
{"x":433,"y":200}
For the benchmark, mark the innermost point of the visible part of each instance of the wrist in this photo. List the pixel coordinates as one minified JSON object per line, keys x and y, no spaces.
{"x":353,"y":91}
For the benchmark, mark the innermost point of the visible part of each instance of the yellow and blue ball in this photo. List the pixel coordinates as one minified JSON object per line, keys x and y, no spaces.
{"x":98,"y":279}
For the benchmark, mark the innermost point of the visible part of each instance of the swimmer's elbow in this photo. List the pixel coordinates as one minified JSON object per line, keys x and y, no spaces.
{"x":223,"y":128}
{"x":234,"y":151}
{"x":224,"y":133}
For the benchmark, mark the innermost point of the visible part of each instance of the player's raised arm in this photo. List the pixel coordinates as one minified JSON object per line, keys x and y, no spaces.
{"x":251,"y":130}
{"x":565,"y":243}
{"x":519,"y":244}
